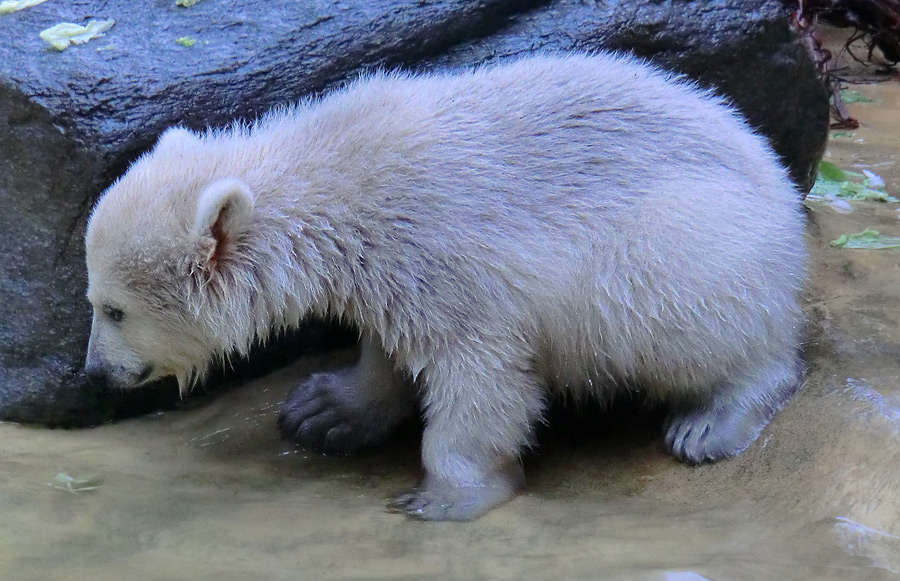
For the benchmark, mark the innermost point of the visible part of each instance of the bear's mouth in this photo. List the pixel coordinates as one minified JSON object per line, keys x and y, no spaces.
{"x":144,"y":375}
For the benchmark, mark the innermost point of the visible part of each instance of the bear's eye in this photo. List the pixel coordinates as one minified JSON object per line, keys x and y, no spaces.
{"x":113,"y":313}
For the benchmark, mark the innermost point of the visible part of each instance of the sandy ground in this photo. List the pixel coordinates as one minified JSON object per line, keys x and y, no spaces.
{"x":212,"y":493}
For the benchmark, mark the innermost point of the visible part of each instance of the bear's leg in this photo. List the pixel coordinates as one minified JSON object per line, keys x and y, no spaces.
{"x":733,"y":417}
{"x":341,"y":412}
{"x":478,"y":417}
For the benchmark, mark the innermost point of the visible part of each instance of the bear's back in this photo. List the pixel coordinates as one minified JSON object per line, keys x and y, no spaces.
{"x":588,"y":198}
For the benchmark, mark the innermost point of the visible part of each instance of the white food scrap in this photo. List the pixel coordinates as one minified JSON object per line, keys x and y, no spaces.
{"x":66,"y":33}
{"x":10,"y":6}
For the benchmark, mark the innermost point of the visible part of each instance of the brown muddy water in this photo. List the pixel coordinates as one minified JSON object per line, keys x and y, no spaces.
{"x":212,"y":493}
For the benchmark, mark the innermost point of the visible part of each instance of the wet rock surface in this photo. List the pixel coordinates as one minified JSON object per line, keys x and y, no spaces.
{"x":70,"y":122}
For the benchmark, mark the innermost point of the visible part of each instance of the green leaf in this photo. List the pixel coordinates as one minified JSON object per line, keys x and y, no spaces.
{"x":850,"y":96}
{"x":868,"y":238}
{"x":831,"y":172}
{"x":833,"y":182}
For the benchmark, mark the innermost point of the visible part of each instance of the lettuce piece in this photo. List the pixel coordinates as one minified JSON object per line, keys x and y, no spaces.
{"x":833,"y":182}
{"x":829,"y":171}
{"x":849,"y":96}
{"x":868,"y":238}
{"x":10,"y":6}
{"x":66,"y":33}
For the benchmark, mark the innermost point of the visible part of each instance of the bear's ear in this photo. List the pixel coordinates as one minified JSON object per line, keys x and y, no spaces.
{"x":175,"y":136}
{"x":224,"y":211}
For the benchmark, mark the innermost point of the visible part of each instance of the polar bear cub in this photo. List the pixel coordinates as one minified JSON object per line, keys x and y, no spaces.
{"x":580,"y":225}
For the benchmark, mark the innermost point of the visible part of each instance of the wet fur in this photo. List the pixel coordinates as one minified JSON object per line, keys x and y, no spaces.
{"x":578,"y":225}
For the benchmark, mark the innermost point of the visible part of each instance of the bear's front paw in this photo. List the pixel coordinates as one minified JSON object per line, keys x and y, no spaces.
{"x":449,"y":503}
{"x":440,"y":499}
{"x":322,"y":415}
{"x":709,"y":435}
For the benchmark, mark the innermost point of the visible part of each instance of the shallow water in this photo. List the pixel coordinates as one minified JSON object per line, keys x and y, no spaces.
{"x":212,"y":493}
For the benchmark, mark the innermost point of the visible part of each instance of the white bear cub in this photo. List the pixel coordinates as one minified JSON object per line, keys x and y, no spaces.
{"x":580,"y":225}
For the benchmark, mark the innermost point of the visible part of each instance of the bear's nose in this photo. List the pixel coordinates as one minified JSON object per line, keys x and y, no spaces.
{"x":95,"y":373}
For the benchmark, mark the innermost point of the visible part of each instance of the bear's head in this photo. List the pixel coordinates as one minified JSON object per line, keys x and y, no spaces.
{"x":161,"y":245}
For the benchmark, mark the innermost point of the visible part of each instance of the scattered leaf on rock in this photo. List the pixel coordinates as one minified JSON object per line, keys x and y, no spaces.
{"x":868,"y":238}
{"x":186,"y":41}
{"x":185,"y":3}
{"x":10,"y":6}
{"x":66,"y":33}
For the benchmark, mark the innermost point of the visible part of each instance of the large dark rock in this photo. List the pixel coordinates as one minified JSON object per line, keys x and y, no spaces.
{"x":71,"y":121}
